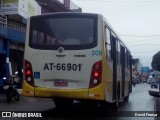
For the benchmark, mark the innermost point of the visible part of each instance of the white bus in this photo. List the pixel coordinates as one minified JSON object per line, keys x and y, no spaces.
{"x":75,"y":56}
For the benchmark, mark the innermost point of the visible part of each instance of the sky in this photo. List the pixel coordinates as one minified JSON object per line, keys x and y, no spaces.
{"x":137,"y":22}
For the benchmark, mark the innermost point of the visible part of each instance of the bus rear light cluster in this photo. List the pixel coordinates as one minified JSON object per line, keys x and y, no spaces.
{"x":96,"y":74}
{"x":28,"y":73}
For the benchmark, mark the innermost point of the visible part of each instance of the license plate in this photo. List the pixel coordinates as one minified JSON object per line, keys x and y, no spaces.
{"x":60,"y":83}
{"x":6,"y":87}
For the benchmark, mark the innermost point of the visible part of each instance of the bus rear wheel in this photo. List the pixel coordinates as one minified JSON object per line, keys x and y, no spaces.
{"x":63,"y":103}
{"x":126,"y":99}
{"x":115,"y":105}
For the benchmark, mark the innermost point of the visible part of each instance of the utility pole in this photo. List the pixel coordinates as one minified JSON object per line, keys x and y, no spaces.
{"x":0,"y":5}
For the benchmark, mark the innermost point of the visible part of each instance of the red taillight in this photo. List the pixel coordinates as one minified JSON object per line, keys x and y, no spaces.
{"x":28,"y":73}
{"x":96,"y":74}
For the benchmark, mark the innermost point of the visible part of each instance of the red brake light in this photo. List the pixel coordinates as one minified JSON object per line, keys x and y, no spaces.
{"x":96,"y":74}
{"x":28,"y":73}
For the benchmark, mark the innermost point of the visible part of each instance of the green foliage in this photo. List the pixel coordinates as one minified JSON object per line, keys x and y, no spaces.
{"x":156,"y":61}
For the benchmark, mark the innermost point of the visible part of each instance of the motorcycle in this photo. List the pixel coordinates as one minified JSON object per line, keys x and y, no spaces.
{"x":10,"y":88}
{"x":134,"y":82}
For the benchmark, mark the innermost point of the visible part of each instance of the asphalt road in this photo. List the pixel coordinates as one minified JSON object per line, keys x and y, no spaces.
{"x":139,"y":102}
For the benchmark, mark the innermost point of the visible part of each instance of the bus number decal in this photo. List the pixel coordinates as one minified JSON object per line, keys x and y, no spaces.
{"x":63,"y":66}
{"x":96,"y":52}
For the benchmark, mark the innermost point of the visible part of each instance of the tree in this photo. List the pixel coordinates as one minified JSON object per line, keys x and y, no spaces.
{"x":156,"y":61}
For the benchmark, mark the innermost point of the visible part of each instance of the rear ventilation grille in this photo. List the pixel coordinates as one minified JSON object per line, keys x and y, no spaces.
{"x":79,"y":55}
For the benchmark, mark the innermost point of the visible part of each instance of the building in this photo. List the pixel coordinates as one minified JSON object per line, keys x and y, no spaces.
{"x":49,"y":6}
{"x":13,"y":19}
{"x":136,"y":66}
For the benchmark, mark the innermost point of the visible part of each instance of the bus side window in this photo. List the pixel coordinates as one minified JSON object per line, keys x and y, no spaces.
{"x":108,"y":43}
{"x":34,"y":36}
{"x":48,"y":40}
{"x":40,"y":37}
{"x":127,"y":58}
{"x":118,"y":52}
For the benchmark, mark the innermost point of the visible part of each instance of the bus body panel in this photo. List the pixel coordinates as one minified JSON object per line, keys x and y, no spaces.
{"x":53,"y":76}
{"x":109,"y":84}
{"x":127,"y":83}
{"x":45,"y":64}
{"x":69,"y":69}
{"x":93,"y":93}
{"x":27,"y":90}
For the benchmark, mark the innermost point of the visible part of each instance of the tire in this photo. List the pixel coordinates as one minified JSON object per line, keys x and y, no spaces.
{"x":8,"y":96}
{"x":63,"y":103}
{"x":126,"y":99}
{"x":115,"y":105}
{"x":16,"y":95}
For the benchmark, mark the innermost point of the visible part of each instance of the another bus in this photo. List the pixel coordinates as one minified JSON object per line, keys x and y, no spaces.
{"x":75,"y":56}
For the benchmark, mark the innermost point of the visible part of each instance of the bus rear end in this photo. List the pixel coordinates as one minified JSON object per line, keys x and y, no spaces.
{"x":63,"y":58}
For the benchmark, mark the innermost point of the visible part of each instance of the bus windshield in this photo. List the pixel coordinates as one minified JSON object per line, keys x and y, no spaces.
{"x":67,"y":32}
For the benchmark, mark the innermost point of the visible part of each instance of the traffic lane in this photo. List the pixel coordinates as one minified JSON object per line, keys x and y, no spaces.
{"x":140,"y":102}
{"x":81,"y":111}
{"x":49,"y":111}
{"x":26,"y":104}
{"x":139,"y":99}
{"x":78,"y":111}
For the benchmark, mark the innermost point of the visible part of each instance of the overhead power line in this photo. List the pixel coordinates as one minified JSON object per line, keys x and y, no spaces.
{"x":143,"y":44}
{"x":140,"y":35}
{"x":142,"y":1}
{"x":146,"y":51}
{"x":143,"y":40}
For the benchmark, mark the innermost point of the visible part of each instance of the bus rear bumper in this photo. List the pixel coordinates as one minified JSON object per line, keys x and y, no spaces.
{"x":52,"y":93}
{"x":27,"y":90}
{"x":96,"y":93}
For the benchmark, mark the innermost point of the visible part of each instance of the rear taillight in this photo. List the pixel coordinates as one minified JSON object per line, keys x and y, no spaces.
{"x":28,"y":73}
{"x":96,"y":74}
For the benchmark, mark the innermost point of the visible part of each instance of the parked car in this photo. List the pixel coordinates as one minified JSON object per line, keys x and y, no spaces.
{"x":154,"y":82}
{"x":149,"y":79}
{"x":154,"y":85}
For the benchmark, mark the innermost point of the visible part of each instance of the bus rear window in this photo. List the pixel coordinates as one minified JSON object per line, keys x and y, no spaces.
{"x":69,"y":33}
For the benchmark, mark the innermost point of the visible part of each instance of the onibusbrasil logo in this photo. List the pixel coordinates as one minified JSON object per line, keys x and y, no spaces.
{"x":21,"y":114}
